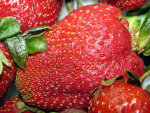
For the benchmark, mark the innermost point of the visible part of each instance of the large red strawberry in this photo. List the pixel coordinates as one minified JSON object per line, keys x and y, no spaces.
{"x":31,"y":13}
{"x":125,"y":4}
{"x":120,"y":97}
{"x":8,"y":73}
{"x":87,"y":45}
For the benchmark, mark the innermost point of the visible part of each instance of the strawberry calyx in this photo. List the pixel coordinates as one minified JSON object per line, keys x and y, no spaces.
{"x":20,"y":45}
{"x":21,"y":105}
{"x":139,"y":21}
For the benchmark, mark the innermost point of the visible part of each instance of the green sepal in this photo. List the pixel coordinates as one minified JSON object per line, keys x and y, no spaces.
{"x":4,"y":60}
{"x":108,"y":82}
{"x":34,"y":32}
{"x":20,"y":104}
{"x":139,"y":28}
{"x":144,"y":32}
{"x":135,"y":22}
{"x":9,"y":27}
{"x":18,"y":49}
{"x":36,"y":44}
{"x":1,"y":67}
{"x":135,"y":17}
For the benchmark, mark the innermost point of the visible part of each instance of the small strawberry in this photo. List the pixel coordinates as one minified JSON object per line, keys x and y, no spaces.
{"x":14,"y":105}
{"x":17,"y":105}
{"x":89,"y":44}
{"x":120,"y":97}
{"x":31,"y":13}
{"x":125,"y":4}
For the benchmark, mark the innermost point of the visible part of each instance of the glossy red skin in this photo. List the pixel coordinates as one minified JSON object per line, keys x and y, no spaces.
{"x":125,"y":4}
{"x":10,"y":106}
{"x":7,"y":75}
{"x":32,"y":13}
{"x":89,"y":44}
{"x":120,"y":97}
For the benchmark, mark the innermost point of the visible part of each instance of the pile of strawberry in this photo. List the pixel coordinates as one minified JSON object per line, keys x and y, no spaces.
{"x":90,"y":61}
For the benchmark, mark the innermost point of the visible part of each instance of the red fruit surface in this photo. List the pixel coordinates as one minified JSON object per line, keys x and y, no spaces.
{"x":125,"y":4}
{"x":32,"y":13}
{"x":10,"y":106}
{"x":89,"y":44}
{"x":7,"y":75}
{"x":120,"y":97}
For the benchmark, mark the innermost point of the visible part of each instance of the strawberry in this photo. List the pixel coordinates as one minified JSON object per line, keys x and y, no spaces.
{"x":125,"y":4}
{"x":120,"y":97}
{"x":89,"y":44}
{"x":17,"y":105}
{"x":8,"y":73}
{"x":31,"y":13}
{"x":14,"y":105}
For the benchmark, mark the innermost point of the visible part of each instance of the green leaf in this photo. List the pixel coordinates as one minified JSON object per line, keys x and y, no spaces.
{"x":108,"y":82}
{"x":99,"y":89}
{"x":34,"y":32}
{"x":135,"y":22}
{"x":36,"y":44}
{"x":144,"y":40}
{"x":1,"y":67}
{"x":4,"y":60}
{"x":135,"y":17}
{"x":18,"y":49}
{"x":139,"y":21}
{"x":9,"y":27}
